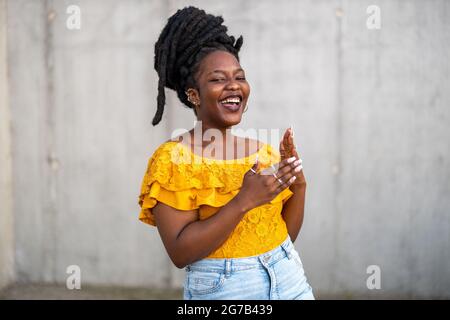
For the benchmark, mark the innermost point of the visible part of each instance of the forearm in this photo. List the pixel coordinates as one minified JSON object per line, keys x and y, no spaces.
{"x":293,"y":210}
{"x":198,"y":239}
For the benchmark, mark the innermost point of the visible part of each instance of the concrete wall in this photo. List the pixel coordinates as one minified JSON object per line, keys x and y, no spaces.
{"x":369,"y":109}
{"x":80,"y":101}
{"x":6,"y":209}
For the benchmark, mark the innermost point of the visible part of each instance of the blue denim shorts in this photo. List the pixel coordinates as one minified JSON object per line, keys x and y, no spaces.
{"x":275,"y":275}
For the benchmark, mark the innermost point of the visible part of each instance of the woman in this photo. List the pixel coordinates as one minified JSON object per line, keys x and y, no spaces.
{"x":228,"y":221}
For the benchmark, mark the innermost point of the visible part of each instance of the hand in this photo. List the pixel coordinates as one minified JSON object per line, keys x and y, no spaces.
{"x":287,"y":150}
{"x":258,"y":189}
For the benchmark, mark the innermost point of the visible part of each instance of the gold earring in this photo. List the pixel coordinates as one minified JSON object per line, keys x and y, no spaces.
{"x":194,"y":103}
{"x":189,"y":99}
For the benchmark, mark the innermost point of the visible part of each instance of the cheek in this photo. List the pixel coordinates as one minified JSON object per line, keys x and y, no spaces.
{"x":246,"y":89}
{"x":212,"y":93}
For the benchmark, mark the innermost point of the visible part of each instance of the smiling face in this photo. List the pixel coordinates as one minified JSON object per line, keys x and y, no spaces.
{"x":222,"y":90}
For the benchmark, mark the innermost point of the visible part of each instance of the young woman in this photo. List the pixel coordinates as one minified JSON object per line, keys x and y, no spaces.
{"x":229,"y":221}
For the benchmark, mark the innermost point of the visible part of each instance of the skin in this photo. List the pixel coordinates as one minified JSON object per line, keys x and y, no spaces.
{"x":219,"y":76}
{"x":185,"y":237}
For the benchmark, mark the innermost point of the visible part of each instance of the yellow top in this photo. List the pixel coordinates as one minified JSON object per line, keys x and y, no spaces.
{"x":187,"y":181}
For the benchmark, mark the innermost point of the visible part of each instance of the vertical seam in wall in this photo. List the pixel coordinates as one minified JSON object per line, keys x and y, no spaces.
{"x":8,"y":167}
{"x":338,"y":148}
{"x":49,"y":134}
{"x":10,"y":164}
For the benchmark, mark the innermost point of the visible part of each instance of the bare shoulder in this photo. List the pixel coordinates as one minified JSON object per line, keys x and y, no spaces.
{"x":256,"y":144}
{"x":184,"y":138}
{"x":251,"y":145}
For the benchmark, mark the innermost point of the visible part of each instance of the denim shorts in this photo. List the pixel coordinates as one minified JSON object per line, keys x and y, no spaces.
{"x":274,"y":275}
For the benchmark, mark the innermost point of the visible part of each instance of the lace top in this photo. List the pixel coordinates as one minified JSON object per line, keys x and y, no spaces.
{"x":186,"y":181}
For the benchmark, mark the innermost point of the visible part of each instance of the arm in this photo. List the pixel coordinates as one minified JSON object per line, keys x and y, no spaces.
{"x":293,"y":210}
{"x":188,"y":239}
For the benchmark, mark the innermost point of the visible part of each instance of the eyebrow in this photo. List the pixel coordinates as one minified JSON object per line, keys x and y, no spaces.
{"x":222,"y":71}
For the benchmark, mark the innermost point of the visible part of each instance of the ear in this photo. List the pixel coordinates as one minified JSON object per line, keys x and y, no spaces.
{"x":193,"y":96}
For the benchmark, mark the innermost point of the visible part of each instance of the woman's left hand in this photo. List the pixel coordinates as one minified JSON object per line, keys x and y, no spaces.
{"x":287,"y":150}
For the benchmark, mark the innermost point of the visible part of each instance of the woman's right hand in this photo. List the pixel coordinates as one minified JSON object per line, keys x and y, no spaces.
{"x":260,"y":188}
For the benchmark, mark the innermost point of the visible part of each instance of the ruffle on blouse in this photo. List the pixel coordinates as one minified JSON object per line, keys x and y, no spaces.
{"x":175,"y":179}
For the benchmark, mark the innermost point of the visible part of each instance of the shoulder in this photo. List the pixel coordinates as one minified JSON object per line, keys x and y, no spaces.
{"x":268,"y":154}
{"x":162,"y":157}
{"x":174,"y":157}
{"x":252,"y":145}
{"x":167,"y":165}
{"x":165,"y":149}
{"x":258,"y":146}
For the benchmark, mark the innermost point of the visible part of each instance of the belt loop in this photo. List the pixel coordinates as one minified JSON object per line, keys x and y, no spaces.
{"x":287,"y":248}
{"x":227,"y":267}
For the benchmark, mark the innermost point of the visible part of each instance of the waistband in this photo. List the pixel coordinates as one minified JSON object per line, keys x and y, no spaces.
{"x":229,"y":265}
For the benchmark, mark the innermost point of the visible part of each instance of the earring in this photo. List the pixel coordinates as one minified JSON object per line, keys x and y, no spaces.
{"x":194,"y":103}
{"x":189,"y":98}
{"x":187,"y":95}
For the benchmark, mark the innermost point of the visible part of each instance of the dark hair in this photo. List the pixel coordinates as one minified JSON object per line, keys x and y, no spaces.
{"x":189,"y":35}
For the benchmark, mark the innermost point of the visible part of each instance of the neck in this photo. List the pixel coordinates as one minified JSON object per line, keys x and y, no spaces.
{"x":204,"y":134}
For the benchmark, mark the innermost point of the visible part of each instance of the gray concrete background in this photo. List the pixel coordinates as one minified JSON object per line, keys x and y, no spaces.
{"x":6,"y":209}
{"x":370,"y":109}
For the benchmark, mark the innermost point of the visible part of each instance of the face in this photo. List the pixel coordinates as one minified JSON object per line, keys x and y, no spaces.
{"x":223,"y":90}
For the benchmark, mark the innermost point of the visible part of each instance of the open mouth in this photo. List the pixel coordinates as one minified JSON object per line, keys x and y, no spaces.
{"x":231,"y":103}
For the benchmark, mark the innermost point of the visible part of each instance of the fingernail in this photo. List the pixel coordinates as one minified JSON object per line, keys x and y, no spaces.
{"x":291,"y":159}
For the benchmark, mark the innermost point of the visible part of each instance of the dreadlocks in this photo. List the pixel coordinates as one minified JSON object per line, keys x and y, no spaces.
{"x":189,"y":35}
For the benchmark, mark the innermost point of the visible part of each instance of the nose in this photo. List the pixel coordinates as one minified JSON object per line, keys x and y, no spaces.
{"x":232,"y":85}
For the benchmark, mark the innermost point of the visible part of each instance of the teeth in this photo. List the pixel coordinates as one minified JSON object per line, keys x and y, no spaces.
{"x":231,"y":100}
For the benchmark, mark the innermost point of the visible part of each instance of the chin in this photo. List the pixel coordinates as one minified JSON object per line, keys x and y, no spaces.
{"x":231,"y":120}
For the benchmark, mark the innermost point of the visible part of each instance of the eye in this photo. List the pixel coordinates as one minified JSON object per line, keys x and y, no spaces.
{"x":216,"y":80}
{"x":240,"y":76}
